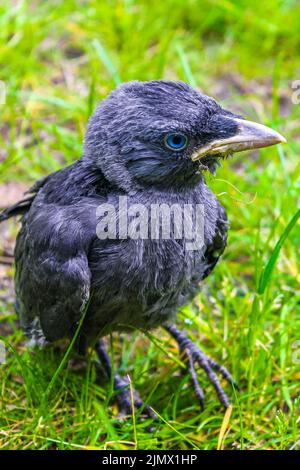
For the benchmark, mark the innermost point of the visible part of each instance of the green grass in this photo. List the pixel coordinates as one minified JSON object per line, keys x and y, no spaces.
{"x":57,"y":60}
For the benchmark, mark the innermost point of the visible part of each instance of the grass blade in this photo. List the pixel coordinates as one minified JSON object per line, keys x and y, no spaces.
{"x":268,"y":270}
{"x":186,"y":66}
{"x":107,"y":62}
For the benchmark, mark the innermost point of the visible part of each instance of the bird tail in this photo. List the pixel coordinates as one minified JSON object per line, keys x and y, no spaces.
{"x":20,"y":208}
{"x":23,"y":206}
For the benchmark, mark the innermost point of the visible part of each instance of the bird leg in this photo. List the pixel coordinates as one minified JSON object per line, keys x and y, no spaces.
{"x":121,"y":387}
{"x":197,"y":357}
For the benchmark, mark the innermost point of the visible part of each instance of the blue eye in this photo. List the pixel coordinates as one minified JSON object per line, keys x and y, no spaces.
{"x":176,"y":141}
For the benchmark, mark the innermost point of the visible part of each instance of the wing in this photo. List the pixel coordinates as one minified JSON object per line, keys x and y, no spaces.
{"x":52,"y":272}
{"x":214,"y":250}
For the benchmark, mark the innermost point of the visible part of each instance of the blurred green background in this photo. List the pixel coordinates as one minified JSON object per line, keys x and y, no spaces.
{"x":57,"y":59}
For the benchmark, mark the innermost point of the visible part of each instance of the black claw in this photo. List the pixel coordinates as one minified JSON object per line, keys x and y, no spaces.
{"x":121,"y":388}
{"x":196,"y":356}
{"x":204,"y":364}
{"x":223,"y":371}
{"x":198,"y":390}
{"x":124,"y":399}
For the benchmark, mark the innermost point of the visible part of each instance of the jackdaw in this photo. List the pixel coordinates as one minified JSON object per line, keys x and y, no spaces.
{"x":82,"y":250}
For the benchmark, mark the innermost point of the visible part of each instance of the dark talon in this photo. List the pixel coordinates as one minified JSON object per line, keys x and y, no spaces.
{"x":121,"y":388}
{"x":223,"y":371}
{"x":124,"y":399}
{"x":195,"y":355}
{"x":198,"y":390}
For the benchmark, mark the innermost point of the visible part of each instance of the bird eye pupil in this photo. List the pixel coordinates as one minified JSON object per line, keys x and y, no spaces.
{"x":176,"y":141}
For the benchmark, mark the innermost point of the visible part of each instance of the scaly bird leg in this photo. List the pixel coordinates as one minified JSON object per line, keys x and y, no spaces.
{"x":196,"y":356}
{"x":121,"y":387}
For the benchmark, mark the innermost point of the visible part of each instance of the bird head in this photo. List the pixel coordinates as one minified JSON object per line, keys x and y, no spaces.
{"x":165,"y":133}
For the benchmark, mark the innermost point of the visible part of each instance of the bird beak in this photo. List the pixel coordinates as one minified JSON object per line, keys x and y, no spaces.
{"x":249,"y":135}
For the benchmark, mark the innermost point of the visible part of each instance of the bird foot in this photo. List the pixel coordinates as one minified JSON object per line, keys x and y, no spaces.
{"x":126,"y":397}
{"x":197,"y":357}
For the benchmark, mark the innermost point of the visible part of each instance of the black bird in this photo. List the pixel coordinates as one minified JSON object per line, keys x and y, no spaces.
{"x":150,"y":142}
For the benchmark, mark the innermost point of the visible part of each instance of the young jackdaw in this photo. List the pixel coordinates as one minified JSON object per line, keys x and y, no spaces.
{"x":147,"y":145}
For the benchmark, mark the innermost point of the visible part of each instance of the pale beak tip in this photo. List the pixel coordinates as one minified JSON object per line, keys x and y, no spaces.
{"x":281,"y":139}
